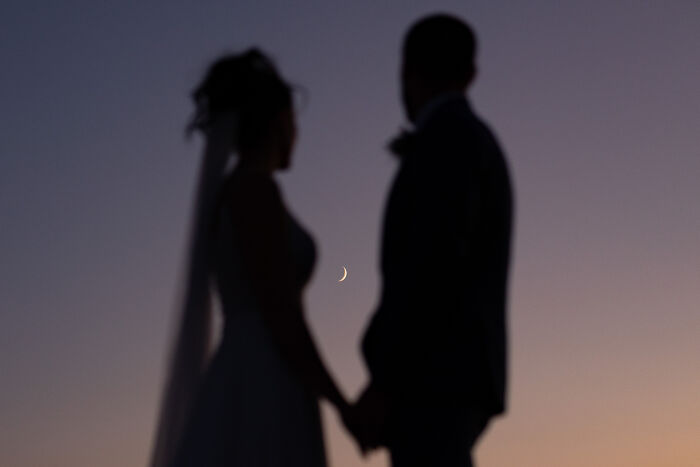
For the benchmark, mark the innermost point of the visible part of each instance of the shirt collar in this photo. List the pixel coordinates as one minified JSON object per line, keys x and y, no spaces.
{"x":429,"y":109}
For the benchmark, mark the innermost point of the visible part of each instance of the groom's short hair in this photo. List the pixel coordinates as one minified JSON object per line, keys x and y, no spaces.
{"x":441,"y":48}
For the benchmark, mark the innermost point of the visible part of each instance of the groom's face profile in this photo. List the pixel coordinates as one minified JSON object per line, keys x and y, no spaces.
{"x":438,"y":57}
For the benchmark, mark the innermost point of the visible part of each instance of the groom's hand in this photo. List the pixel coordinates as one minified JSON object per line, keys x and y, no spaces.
{"x":353,"y":423}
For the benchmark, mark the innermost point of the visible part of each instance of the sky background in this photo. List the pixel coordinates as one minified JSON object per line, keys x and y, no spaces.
{"x":596,"y":104}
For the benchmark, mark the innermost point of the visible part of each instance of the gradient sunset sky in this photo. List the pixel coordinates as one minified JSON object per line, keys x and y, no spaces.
{"x":596,"y":103}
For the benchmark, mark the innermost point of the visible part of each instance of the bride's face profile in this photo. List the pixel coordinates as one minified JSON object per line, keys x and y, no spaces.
{"x":272,"y":149}
{"x":248,"y":87}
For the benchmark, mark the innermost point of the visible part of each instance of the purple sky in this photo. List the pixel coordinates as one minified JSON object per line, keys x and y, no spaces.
{"x":597,"y":105}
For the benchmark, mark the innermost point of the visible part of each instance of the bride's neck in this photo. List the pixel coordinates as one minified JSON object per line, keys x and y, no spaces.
{"x":257,"y":161}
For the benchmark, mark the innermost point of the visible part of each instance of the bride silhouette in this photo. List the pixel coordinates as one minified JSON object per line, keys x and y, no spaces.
{"x":255,"y":400}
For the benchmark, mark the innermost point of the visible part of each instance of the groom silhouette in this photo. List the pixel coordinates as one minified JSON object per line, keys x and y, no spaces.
{"x":436,"y":345}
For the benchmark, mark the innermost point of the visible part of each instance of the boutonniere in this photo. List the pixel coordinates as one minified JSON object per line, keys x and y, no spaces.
{"x":405,"y":143}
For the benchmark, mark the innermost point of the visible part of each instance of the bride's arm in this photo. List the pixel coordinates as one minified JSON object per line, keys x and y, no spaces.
{"x":260,"y":219}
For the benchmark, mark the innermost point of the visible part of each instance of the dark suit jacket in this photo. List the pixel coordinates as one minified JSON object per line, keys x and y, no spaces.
{"x":438,"y":337}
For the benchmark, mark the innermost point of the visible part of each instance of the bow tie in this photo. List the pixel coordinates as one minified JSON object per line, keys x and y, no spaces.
{"x":404,"y":143}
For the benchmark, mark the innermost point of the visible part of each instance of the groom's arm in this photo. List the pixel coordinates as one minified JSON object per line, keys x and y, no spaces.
{"x":439,"y":203}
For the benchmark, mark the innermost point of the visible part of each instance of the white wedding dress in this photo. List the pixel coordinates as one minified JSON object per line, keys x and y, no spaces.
{"x":252,"y":410}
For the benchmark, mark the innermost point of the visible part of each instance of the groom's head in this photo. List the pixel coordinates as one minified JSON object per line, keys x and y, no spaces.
{"x":438,"y":57}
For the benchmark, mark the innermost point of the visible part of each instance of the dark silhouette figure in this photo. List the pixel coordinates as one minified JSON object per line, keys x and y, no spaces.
{"x":255,"y":402}
{"x":436,"y":345}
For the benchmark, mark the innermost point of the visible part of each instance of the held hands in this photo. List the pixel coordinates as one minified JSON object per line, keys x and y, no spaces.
{"x":366,"y":419}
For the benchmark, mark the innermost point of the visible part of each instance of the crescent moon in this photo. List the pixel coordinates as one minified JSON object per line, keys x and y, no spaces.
{"x":345,"y":274}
